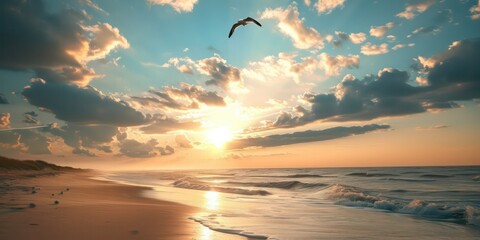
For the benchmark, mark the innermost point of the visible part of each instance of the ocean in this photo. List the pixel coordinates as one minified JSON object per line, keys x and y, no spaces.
{"x":328,"y":203}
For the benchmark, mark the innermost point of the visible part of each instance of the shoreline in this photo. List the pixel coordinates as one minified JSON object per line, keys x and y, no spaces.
{"x":89,"y":208}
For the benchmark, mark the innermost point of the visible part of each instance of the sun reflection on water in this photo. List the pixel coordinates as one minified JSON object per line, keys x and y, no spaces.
{"x":211,"y":200}
{"x":205,"y":233}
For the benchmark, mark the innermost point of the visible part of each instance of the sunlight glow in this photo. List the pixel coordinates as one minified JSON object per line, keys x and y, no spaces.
{"x":219,"y":136}
{"x":211,"y":200}
{"x":205,"y":234}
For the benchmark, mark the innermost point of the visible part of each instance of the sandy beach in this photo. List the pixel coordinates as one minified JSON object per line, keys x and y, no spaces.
{"x":89,"y":209}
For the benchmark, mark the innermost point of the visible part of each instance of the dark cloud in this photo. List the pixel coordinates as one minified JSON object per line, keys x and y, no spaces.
{"x":135,"y":149}
{"x":196,"y":94}
{"x":459,"y":64}
{"x":28,"y":141}
{"x":167,"y":150}
{"x":43,"y":37}
{"x":83,"y":152}
{"x":35,"y":142}
{"x":81,"y":105}
{"x":444,"y":16}
{"x":56,"y":46}
{"x":76,"y":75}
{"x":80,"y":136}
{"x":183,"y":141}
{"x":31,"y":118}
{"x":304,"y":137}
{"x":9,"y":138}
{"x":222,"y":74}
{"x":3,"y":99}
{"x":164,"y":124}
{"x":452,"y":76}
{"x":105,"y":148}
{"x":183,"y":98}
{"x":433,"y":29}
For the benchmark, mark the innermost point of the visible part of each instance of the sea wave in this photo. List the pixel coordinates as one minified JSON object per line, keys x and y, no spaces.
{"x":192,"y":183}
{"x":282,"y":185}
{"x":291,"y":176}
{"x":356,"y":197}
{"x":435,"y":176}
{"x":408,"y":179}
{"x":211,"y":222}
{"x":366,"y":174}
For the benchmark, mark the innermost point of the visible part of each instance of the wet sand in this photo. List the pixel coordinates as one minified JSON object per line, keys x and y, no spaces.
{"x":89,"y":209}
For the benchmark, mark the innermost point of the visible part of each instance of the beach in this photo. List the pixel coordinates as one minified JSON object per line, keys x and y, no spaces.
{"x":89,"y":209}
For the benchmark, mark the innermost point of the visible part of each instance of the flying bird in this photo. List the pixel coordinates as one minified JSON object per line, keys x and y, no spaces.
{"x":243,"y":22}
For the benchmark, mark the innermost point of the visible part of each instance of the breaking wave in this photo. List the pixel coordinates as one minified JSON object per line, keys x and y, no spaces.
{"x":366,"y":174}
{"x":282,"y":185}
{"x":355,"y":197}
{"x":192,"y":183}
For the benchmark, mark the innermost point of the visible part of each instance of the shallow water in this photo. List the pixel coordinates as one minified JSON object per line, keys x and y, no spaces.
{"x":340,"y":203}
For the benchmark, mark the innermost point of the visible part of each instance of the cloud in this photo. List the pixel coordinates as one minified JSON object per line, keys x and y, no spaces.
{"x":184,"y":65}
{"x":95,"y":6}
{"x":31,"y":118}
{"x":178,"y":5}
{"x":83,"y":137}
{"x":164,"y":124}
{"x":333,"y":64}
{"x":9,"y":140}
{"x":185,"y":69}
{"x":81,"y":105}
{"x":327,"y":6}
{"x":425,"y":30}
{"x":452,"y":76}
{"x":135,"y":149}
{"x":183,"y":98}
{"x":292,"y":26}
{"x":105,"y":39}
{"x":380,"y":31}
{"x":475,"y":10}
{"x":414,"y":9}
{"x":3,"y":99}
{"x":272,"y":67}
{"x":34,"y":142}
{"x":357,"y":38}
{"x":285,"y":76}
{"x":304,"y":137}
{"x":222,"y":74}
{"x":83,"y":152}
{"x":398,"y":46}
{"x":167,"y":150}
{"x":4,"y":120}
{"x":55,"y":46}
{"x":27,"y":141}
{"x":371,"y":49}
{"x":429,"y":128}
{"x":183,"y":141}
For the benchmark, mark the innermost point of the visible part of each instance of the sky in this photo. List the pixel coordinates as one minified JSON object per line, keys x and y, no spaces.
{"x":157,"y":84}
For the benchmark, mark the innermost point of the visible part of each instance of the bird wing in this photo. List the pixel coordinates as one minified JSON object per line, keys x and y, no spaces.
{"x":233,"y":29}
{"x":253,"y":20}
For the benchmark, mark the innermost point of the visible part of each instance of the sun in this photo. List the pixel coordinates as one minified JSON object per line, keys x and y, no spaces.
{"x":219,"y":136}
